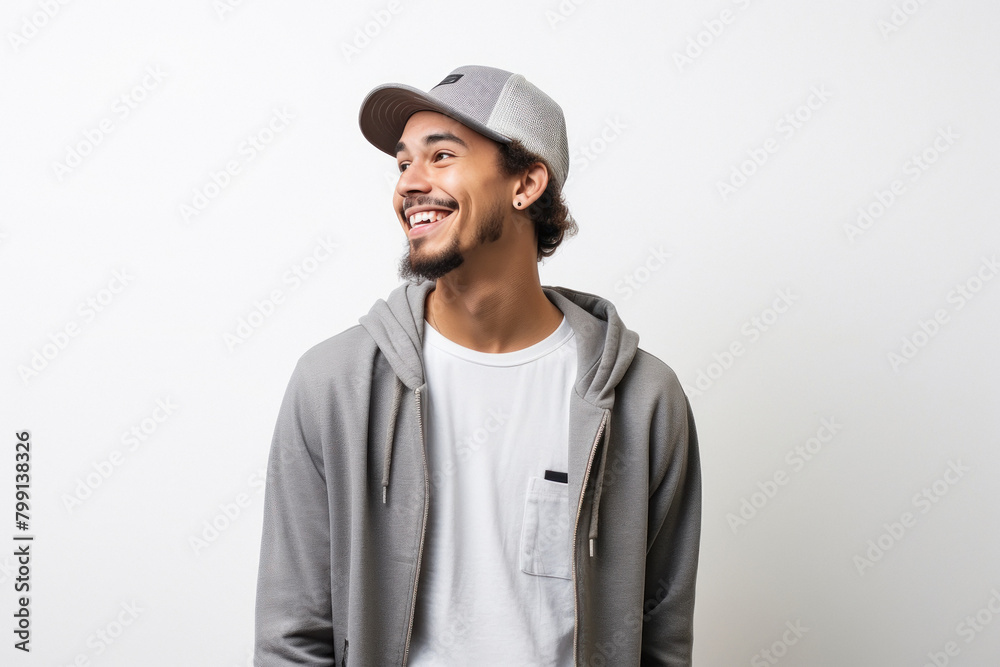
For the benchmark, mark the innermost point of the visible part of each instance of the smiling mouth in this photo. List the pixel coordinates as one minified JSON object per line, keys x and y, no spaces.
{"x":427,"y":217}
{"x":425,"y":222}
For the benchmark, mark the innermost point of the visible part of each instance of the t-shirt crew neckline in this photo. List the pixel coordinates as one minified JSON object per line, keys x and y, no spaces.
{"x":548,"y":344}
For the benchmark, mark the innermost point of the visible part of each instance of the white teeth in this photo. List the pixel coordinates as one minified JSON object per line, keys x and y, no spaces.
{"x":428,"y":216}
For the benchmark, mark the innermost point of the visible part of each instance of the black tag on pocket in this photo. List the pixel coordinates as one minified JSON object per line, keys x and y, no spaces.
{"x":553,"y":476}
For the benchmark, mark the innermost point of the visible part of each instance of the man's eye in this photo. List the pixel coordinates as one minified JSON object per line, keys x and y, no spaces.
{"x":443,"y":154}
{"x":403,"y":166}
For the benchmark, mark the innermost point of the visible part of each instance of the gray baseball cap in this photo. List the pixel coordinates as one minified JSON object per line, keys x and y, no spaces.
{"x":497,"y":104}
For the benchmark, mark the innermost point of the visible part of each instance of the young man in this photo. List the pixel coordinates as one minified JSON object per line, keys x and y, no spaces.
{"x":483,"y":471}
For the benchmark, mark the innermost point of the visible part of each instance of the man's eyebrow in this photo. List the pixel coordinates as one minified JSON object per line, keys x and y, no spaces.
{"x":435,"y":138}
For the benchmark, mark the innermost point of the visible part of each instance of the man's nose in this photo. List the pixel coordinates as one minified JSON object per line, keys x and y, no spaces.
{"x":412,"y":179}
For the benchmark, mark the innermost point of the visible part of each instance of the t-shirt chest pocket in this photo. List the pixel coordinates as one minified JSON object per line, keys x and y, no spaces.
{"x":545,"y":531}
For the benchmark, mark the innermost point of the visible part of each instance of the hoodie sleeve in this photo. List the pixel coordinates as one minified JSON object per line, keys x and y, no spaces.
{"x":674,"y":533}
{"x":293,"y":615}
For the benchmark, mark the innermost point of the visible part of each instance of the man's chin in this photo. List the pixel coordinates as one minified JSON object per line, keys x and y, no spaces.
{"x":423,"y":268}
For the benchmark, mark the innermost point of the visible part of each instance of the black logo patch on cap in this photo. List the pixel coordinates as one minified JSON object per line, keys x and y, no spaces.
{"x":451,"y":78}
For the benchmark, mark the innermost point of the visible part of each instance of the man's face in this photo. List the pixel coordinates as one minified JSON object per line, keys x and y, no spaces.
{"x":451,"y":187}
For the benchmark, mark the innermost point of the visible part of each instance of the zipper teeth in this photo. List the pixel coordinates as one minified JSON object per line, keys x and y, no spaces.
{"x":423,"y":527}
{"x":579,"y":508}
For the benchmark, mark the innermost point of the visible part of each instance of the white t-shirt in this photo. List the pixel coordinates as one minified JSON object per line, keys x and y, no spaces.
{"x":496,"y":583}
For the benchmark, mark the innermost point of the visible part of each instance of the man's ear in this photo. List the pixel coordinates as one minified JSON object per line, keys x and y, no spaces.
{"x":531,"y":185}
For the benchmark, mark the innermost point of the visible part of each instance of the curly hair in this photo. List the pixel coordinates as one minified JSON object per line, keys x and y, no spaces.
{"x":549,"y":212}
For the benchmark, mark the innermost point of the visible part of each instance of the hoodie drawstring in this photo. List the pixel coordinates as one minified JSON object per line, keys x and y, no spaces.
{"x":387,"y":461}
{"x":599,"y":485}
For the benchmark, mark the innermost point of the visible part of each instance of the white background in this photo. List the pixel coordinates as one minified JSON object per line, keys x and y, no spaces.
{"x":652,"y":136}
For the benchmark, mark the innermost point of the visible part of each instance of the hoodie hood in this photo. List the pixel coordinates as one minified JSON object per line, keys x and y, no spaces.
{"x":605,"y":349}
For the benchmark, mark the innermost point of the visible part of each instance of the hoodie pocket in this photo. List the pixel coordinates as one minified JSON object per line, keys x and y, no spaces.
{"x":545,"y":533}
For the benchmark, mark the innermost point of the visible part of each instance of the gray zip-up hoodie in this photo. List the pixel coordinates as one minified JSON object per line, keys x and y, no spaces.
{"x":347,"y":495}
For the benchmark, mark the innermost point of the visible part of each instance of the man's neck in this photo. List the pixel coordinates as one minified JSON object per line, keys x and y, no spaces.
{"x":500,"y":313}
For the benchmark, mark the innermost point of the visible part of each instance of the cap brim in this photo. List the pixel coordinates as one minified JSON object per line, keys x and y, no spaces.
{"x":386,"y":109}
